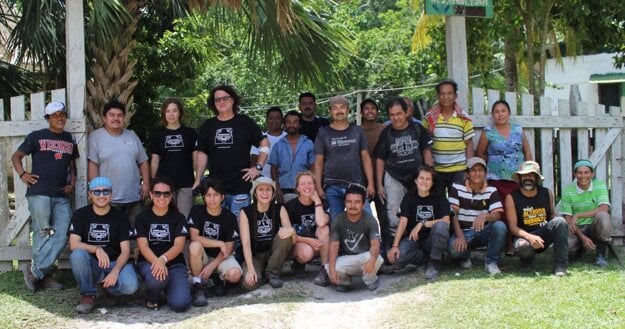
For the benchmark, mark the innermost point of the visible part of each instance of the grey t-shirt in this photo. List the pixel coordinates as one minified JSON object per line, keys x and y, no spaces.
{"x":341,"y":150}
{"x":118,"y":157}
{"x":354,"y":237}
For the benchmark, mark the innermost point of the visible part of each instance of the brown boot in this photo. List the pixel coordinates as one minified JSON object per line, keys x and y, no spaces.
{"x":86,"y":304}
{"x":48,"y":283}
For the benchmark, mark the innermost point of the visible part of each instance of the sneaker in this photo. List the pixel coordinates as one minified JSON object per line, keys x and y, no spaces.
{"x":219,"y":289}
{"x":48,"y":283}
{"x":198,"y":296}
{"x":86,"y":304}
{"x":322,"y":278}
{"x":493,"y":269}
{"x":275,"y":281}
{"x":299,"y":270}
{"x":560,"y":271}
{"x":431,"y":272}
{"x":601,"y":261}
{"x":342,"y":288}
{"x":29,"y":279}
{"x":374,"y":285}
{"x":466,"y":263}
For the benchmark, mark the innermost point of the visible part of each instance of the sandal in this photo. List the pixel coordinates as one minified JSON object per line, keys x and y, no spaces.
{"x":151,"y":305}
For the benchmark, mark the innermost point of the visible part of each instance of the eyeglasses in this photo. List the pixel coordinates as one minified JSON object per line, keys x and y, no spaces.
{"x":106,"y":192}
{"x":222,"y":99}
{"x":161,"y":194}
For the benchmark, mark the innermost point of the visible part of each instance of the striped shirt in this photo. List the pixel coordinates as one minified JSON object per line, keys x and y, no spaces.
{"x":472,"y":203}
{"x":576,"y":201}
{"x":449,"y":148}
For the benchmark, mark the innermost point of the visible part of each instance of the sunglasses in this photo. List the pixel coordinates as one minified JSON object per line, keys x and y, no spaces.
{"x":161,"y":194}
{"x":101,"y":192}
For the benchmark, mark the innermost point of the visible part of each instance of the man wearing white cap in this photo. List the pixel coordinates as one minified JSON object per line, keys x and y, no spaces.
{"x":50,"y":183}
{"x":586,"y":206}
{"x":531,"y":218}
{"x":99,"y":240}
{"x":476,"y":221}
{"x":342,"y":159}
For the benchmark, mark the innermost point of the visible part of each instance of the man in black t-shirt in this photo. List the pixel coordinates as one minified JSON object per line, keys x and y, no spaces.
{"x":311,"y":123}
{"x":224,"y":144}
{"x":50,"y":184}
{"x":99,"y":240}
{"x":211,"y":249}
{"x":532,"y":220}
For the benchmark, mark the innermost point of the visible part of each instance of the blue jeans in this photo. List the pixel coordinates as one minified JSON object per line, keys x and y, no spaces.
{"x":176,"y":286}
{"x":335,"y":195}
{"x":236,"y":202}
{"x":87,"y":274}
{"x":493,"y":236}
{"x":45,"y":213}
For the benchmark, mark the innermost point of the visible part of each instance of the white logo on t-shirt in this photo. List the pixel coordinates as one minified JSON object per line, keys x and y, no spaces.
{"x":264,"y":225}
{"x":224,"y":136}
{"x":99,"y":233}
{"x":425,"y":212}
{"x":352,"y":240}
{"x":211,"y":230}
{"x":174,"y":141}
{"x":159,"y":232}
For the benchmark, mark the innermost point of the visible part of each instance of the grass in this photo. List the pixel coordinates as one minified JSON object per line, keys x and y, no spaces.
{"x":587,"y":298}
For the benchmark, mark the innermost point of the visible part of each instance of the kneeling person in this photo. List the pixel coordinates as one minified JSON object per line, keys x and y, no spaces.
{"x":354,"y":244}
{"x":99,"y":241}
{"x":531,"y":218}
{"x":211,"y":249}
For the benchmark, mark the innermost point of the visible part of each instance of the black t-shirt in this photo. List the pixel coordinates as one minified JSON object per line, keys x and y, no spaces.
{"x":227,"y":144}
{"x":416,"y":208}
{"x":302,"y":217}
{"x":161,"y":231}
{"x":402,"y":150}
{"x":532,"y":212}
{"x":52,"y":154}
{"x":263,"y":226}
{"x":220,"y":227}
{"x":175,"y":149}
{"x":310,"y":128}
{"x":106,"y":231}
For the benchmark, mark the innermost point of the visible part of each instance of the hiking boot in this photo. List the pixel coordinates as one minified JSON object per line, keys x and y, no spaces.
{"x":342,"y":288}
{"x":322,"y":278}
{"x":601,"y":261}
{"x":86,"y":304}
{"x":219,"y":288}
{"x":275,"y":281}
{"x":493,"y":269}
{"x":48,"y":283}
{"x":198,"y":298}
{"x":560,"y":271}
{"x":374,"y":285}
{"x":466,"y":263}
{"x":431,"y":272}
{"x":299,"y":270}
{"x":29,"y":279}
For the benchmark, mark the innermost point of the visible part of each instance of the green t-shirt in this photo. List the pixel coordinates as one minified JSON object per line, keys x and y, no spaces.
{"x":576,"y":200}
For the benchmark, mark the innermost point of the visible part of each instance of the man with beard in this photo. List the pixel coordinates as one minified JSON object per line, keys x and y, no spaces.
{"x":290,"y":155}
{"x":310,"y":122}
{"x":531,"y":219}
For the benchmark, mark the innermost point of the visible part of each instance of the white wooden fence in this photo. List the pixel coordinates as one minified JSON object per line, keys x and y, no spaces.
{"x":597,"y":136}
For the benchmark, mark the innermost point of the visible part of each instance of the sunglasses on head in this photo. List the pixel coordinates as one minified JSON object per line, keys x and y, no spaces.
{"x":161,"y":194}
{"x":105,"y":192}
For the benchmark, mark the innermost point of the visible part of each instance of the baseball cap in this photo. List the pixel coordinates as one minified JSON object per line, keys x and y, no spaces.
{"x":475,"y":161}
{"x":584,"y":163}
{"x":338,"y":100}
{"x":526,"y":168}
{"x":54,"y":107}
{"x":100,"y":182}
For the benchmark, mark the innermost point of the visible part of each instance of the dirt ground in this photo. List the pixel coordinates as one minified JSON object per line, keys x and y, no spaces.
{"x":298,"y":304}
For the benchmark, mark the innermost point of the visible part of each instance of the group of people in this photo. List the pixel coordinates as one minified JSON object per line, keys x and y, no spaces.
{"x":298,"y":191}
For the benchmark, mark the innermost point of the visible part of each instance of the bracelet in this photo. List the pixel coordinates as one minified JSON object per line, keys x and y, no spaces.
{"x":395,"y":247}
{"x":24,"y":173}
{"x":164,"y":258}
{"x":319,"y":205}
{"x":96,"y":249}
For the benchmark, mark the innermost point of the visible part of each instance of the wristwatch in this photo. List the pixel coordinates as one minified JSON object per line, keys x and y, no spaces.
{"x":259,"y":167}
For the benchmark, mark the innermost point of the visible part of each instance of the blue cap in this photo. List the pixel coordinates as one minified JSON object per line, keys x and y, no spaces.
{"x":100,"y":182}
{"x":583,"y":163}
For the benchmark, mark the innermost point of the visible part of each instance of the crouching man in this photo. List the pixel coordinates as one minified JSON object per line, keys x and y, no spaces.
{"x":99,"y":241}
{"x":531,"y":219}
{"x":354,"y":244}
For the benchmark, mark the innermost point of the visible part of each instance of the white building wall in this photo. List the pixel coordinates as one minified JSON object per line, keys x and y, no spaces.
{"x":577,"y":70}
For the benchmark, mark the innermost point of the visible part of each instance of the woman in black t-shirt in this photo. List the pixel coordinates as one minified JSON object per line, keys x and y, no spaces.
{"x":423,"y":228}
{"x":266,"y":236}
{"x":161,"y":235}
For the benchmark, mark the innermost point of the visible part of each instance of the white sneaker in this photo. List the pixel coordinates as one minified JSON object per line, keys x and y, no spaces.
{"x":466,"y":263}
{"x":493,"y":269}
